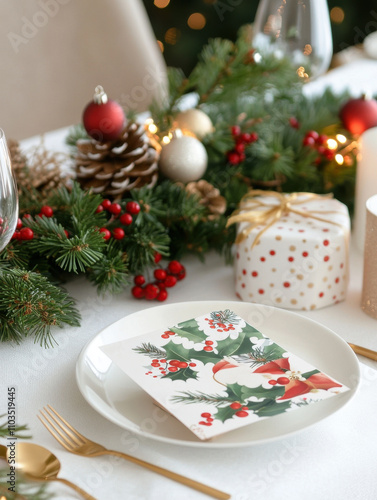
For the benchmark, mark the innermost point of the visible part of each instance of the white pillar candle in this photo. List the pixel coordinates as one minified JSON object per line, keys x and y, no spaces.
{"x":366,"y":183}
{"x":369,"y":295}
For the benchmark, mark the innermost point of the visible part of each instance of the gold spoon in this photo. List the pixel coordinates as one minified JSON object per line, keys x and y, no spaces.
{"x":40,"y":464}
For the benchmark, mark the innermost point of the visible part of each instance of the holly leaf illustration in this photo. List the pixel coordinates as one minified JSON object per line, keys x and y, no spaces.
{"x":177,"y":351}
{"x":190,"y":333}
{"x":235,"y":392}
{"x":190,"y":324}
{"x":205,"y":357}
{"x":240,"y":345}
{"x":273,"y":351}
{"x":309,"y":374}
{"x":271,"y":408}
{"x":250,"y":331}
{"x":224,"y":413}
{"x":230,"y":346}
{"x":182,"y":374}
{"x":260,"y":392}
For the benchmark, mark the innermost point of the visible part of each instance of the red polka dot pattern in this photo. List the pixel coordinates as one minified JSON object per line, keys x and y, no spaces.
{"x":298,"y":263}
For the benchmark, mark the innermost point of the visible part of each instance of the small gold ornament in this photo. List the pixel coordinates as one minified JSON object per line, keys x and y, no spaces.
{"x":194,"y":121}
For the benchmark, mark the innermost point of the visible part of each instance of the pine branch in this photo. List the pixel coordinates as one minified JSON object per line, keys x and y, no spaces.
{"x":189,"y":397}
{"x":143,"y":243}
{"x":75,"y":134}
{"x":30,"y":306}
{"x":24,"y":489}
{"x":226,"y":316}
{"x":150,"y":350}
{"x":110,"y":274}
{"x":18,"y":431}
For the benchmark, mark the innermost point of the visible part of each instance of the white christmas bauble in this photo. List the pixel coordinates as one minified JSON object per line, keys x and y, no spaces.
{"x":184,"y":159}
{"x":195,"y":121}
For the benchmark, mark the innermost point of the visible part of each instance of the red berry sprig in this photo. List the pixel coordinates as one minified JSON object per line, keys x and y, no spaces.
{"x":164,"y":278}
{"x":237,"y":154}
{"x":168,"y":366}
{"x":125,"y":218}
{"x":208,"y":419}
{"x":318,"y":141}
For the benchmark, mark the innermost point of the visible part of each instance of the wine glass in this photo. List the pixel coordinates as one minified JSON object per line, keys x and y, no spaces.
{"x":8,"y":195}
{"x":298,"y":29}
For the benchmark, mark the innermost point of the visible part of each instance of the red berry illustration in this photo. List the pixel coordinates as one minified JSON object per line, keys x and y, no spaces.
{"x":241,"y":413}
{"x":283,"y":380}
{"x":206,"y":415}
{"x":174,"y":362}
{"x":172,"y":369}
{"x":236,"y":406}
{"x":272,"y":382}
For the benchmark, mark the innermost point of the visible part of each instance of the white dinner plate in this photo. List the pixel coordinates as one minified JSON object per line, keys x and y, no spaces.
{"x":115,"y":396}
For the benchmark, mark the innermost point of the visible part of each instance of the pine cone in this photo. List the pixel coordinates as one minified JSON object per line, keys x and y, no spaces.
{"x":209,"y":196}
{"x":116,"y":167}
{"x":39,"y":170}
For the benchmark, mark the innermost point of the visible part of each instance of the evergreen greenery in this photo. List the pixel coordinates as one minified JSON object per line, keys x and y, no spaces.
{"x":235,"y":86}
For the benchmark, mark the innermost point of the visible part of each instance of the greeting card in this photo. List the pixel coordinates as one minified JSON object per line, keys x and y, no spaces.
{"x":216,"y":373}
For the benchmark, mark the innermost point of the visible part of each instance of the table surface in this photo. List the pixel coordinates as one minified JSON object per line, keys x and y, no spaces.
{"x":334,"y":459}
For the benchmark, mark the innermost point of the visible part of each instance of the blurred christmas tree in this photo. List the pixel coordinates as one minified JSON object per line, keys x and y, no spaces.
{"x":182,"y":27}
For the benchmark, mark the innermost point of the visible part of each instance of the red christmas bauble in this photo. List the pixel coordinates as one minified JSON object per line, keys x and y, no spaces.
{"x":359,"y":115}
{"x":103,"y":118}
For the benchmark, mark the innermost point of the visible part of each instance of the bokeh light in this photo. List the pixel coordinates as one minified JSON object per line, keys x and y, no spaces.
{"x":161,"y":45}
{"x":337,"y":15}
{"x":196,"y":21}
{"x":161,"y":4}
{"x":172,"y":36}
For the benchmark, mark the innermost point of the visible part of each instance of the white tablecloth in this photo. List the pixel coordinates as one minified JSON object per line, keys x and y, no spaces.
{"x":335,"y":459}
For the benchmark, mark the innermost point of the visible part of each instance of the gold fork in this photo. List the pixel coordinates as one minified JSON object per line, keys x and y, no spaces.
{"x":75,"y":442}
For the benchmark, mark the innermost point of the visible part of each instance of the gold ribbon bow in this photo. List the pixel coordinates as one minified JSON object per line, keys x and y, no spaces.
{"x":258,"y":212}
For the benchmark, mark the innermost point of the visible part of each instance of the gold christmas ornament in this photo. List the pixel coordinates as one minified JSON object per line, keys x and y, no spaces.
{"x":184,"y":159}
{"x":116,"y":167}
{"x":209,"y":196}
{"x":194,"y":121}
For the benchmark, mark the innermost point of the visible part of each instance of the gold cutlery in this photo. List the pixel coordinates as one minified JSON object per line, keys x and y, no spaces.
{"x":76,"y":443}
{"x":363,"y":351}
{"x":40,"y":464}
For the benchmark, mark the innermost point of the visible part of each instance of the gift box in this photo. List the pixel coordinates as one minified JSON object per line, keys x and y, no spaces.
{"x":291,"y":249}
